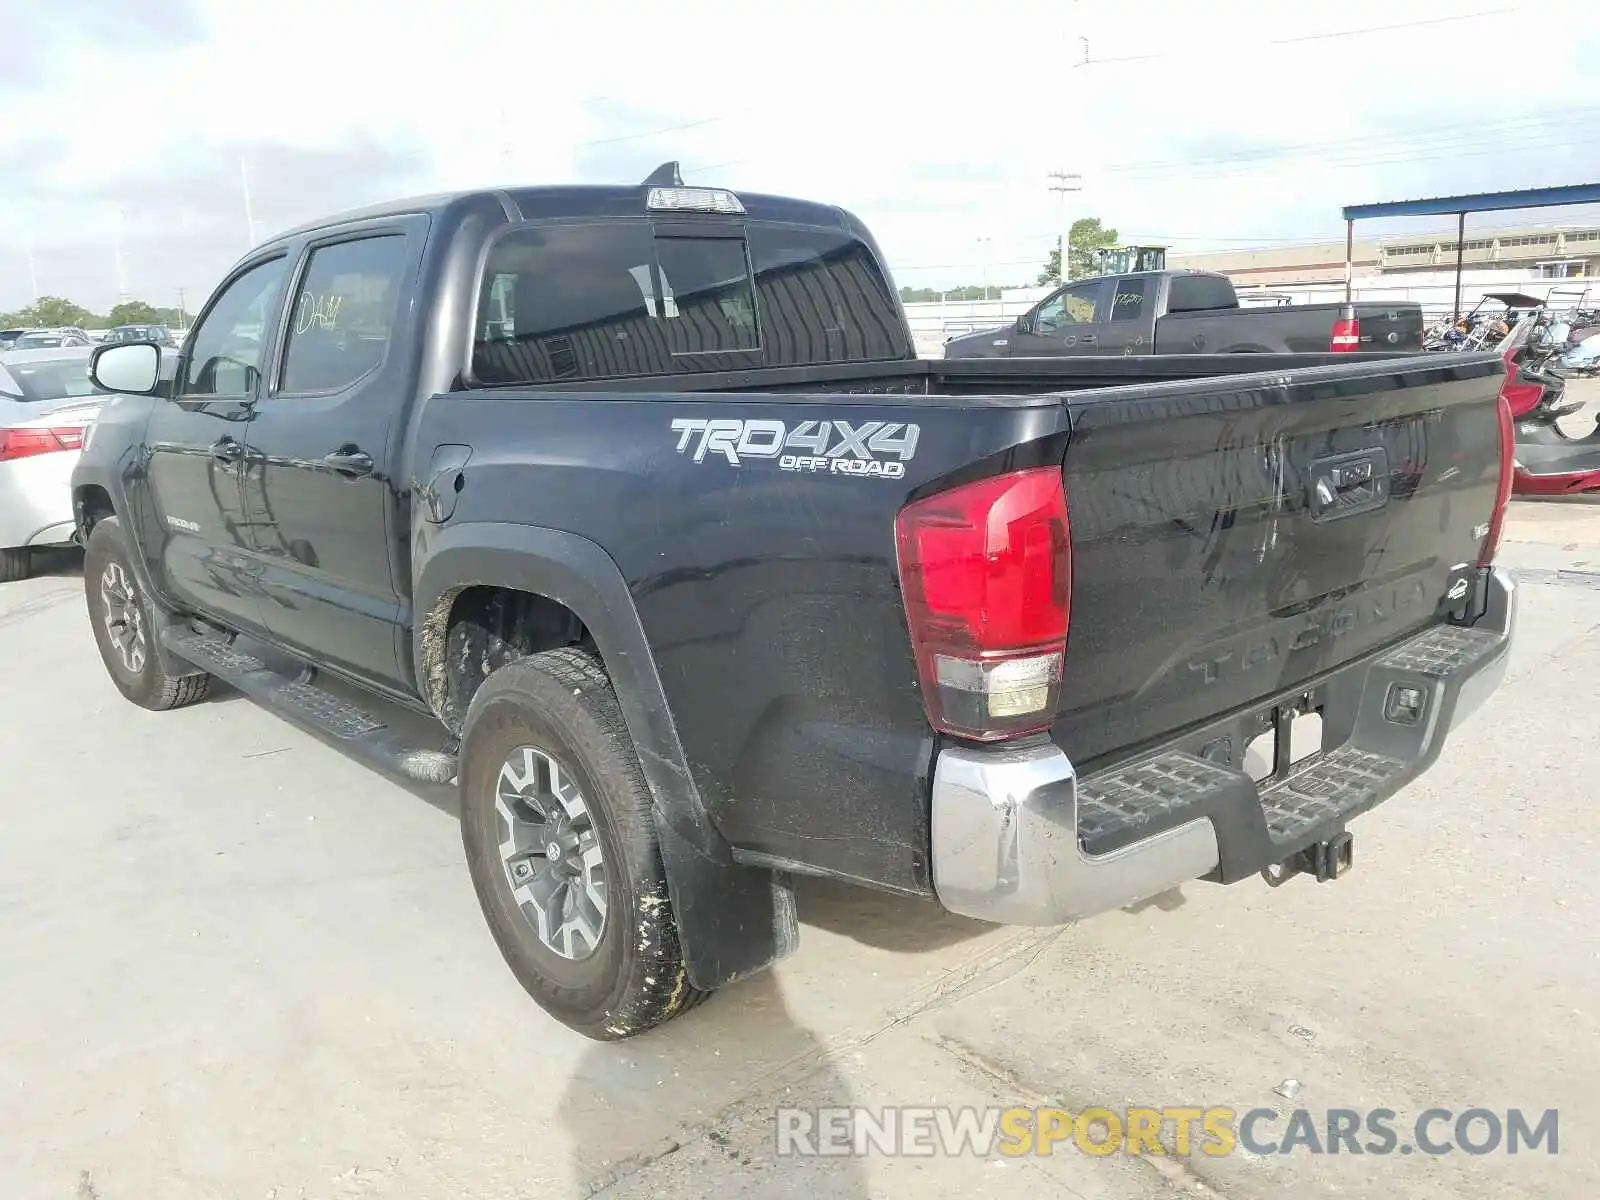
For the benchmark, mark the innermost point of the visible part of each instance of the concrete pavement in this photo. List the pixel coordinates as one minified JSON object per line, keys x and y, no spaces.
{"x":239,"y":965}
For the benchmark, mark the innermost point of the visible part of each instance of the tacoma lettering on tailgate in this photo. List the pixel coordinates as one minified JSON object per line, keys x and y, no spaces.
{"x":879,"y":448}
{"x":1329,"y":626}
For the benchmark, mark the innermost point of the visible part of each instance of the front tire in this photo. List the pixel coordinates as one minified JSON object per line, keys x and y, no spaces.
{"x":561,"y":846}
{"x":15,"y":564}
{"x":126,"y":626}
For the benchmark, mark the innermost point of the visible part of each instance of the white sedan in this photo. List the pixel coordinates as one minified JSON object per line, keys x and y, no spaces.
{"x":46,"y":403}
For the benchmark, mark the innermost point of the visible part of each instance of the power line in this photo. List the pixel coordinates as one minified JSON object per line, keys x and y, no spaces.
{"x":1344,"y":33}
{"x":1313,"y":37}
{"x":1470,"y":132}
{"x":1296,"y":40}
{"x":634,"y":137}
{"x":1222,"y":170}
{"x":1010,"y":262}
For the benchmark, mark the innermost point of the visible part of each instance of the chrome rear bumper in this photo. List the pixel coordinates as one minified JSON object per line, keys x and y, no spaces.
{"x":1008,"y":823}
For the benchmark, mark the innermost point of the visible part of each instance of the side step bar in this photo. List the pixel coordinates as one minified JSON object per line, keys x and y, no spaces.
{"x":301,"y":702}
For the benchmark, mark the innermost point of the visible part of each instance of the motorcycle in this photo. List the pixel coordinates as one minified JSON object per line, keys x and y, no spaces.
{"x":1579,"y":360}
{"x":1547,"y":461}
{"x":1551,"y":462}
{"x":1567,"y":339}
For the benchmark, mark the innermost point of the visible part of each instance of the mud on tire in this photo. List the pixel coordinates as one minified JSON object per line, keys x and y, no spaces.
{"x":552,"y":800}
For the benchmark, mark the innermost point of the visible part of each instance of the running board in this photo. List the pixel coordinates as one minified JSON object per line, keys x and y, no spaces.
{"x":301,"y":702}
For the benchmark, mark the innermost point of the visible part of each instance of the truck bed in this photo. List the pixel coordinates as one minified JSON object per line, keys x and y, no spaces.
{"x":770,"y":596}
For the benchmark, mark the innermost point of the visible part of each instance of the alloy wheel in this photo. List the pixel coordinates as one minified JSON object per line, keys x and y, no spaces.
{"x":551,"y":853}
{"x":124,"y":617}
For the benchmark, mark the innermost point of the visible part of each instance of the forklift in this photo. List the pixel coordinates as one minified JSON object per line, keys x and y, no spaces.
{"x":1126,"y":260}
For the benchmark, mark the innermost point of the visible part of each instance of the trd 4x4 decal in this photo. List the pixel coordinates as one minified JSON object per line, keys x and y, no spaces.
{"x":879,"y":448}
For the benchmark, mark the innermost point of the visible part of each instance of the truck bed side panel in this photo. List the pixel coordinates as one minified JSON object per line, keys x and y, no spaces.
{"x":770,"y":596}
{"x":1206,"y":577}
{"x":1295,"y":329}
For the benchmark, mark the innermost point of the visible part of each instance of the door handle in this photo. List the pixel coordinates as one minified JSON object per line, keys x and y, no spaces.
{"x":226,"y":449}
{"x":349,"y":461}
{"x":1089,"y":339}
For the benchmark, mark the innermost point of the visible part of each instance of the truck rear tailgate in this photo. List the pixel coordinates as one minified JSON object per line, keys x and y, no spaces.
{"x":1389,"y":326}
{"x":1235,"y":539}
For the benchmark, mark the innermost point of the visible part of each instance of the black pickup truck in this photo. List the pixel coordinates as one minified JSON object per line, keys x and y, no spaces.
{"x":630,"y":511}
{"x":1187,"y":312}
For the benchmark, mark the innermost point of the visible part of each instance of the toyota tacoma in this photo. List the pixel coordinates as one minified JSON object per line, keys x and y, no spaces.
{"x":630,"y":512}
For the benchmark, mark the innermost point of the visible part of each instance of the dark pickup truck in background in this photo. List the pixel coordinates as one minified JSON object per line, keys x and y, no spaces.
{"x":630,"y":511}
{"x":1187,"y":312}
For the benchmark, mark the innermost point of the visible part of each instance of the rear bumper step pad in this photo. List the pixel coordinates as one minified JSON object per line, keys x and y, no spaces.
{"x":1018,"y":838}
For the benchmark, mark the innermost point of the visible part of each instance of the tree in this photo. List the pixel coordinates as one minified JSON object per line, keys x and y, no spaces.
{"x":134,"y":312}
{"x":1087,"y":235}
{"x":52,"y":311}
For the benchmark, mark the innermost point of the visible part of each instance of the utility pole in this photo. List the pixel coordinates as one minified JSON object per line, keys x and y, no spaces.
{"x":122,"y":277}
{"x":1064,"y":183}
{"x":984,"y":243}
{"x":249,"y":217}
{"x":183,"y":319}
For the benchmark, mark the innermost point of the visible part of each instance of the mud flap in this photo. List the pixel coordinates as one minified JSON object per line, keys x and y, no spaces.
{"x":733,"y":920}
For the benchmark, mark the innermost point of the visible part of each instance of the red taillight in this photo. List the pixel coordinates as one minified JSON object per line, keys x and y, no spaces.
{"x":986,"y":570}
{"x":25,"y":443}
{"x":1346,"y":335}
{"x":1502,"y":497}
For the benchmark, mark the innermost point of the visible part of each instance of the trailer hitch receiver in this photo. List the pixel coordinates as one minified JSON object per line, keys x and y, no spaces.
{"x":1326,"y":860}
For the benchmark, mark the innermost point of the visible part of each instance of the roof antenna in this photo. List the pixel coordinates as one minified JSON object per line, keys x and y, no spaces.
{"x":666,"y":175}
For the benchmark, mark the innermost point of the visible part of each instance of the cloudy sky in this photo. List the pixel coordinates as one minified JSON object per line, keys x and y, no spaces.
{"x":142,"y":124}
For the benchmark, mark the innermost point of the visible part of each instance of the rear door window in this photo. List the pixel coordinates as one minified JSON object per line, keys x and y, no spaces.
{"x":1128,"y":302}
{"x":343,"y":314}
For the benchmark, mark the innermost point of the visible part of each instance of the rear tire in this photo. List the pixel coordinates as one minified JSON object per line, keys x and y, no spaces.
{"x":561,"y":845}
{"x":127,"y":625}
{"x":15,"y":564}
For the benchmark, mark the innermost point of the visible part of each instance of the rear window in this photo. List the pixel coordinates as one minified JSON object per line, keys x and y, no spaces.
{"x":61,"y":380}
{"x":1193,"y":293}
{"x":616,"y":299}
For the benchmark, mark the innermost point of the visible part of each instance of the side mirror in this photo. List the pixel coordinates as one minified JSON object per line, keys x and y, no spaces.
{"x":130,"y":367}
{"x":1025,"y":323}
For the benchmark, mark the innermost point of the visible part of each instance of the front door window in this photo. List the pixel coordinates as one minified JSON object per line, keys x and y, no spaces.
{"x":226,"y":348}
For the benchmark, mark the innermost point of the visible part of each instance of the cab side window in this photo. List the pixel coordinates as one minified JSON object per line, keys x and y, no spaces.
{"x":1073,"y":306}
{"x":1128,"y":303}
{"x":225,"y":349}
{"x":343,"y":314}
